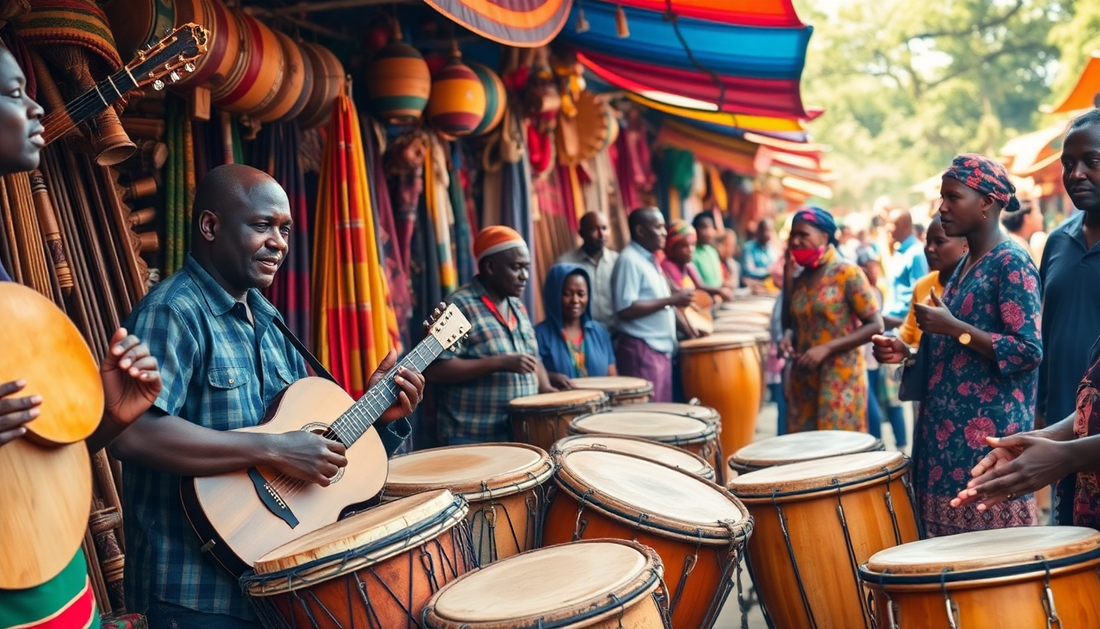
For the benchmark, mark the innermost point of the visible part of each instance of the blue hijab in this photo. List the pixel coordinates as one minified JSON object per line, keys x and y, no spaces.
{"x":555,"y":355}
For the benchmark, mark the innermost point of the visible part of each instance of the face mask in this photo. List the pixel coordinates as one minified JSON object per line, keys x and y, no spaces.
{"x":808,"y":258}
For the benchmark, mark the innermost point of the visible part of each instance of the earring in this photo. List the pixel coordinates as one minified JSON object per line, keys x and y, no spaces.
{"x":984,"y":215}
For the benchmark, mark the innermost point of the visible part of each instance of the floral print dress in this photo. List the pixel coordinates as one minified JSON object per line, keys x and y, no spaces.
{"x":833,"y":396}
{"x":970,"y":397}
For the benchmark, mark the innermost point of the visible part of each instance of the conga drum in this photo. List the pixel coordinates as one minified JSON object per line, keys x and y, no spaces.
{"x":1015,"y":578}
{"x":328,"y":84}
{"x":698,"y":411}
{"x":264,"y":65}
{"x":723,"y":372}
{"x":621,"y":389}
{"x":223,"y":47}
{"x":697,"y":436}
{"x":504,"y":484}
{"x":801,"y":446}
{"x":645,"y":448}
{"x":697,"y":527}
{"x":599,"y":584}
{"x":542,"y":419}
{"x":376,"y":568}
{"x":816,"y":523}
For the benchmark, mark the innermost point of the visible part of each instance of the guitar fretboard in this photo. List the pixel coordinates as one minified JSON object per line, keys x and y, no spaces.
{"x":362,"y":415}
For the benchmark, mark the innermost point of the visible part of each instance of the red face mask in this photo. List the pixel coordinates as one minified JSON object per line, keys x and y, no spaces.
{"x":808,"y":258}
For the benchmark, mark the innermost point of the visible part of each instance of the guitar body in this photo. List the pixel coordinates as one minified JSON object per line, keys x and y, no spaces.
{"x":45,"y":498}
{"x":226,"y":511}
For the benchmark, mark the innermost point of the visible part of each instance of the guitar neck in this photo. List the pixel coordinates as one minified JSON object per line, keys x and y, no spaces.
{"x":362,"y":415}
{"x":98,"y":98}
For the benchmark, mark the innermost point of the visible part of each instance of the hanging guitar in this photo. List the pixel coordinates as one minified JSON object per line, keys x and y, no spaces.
{"x":162,"y":63}
{"x":242,"y":515}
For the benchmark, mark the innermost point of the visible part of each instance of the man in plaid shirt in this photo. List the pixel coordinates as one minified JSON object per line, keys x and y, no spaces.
{"x":224,"y":361}
{"x":500,"y":360}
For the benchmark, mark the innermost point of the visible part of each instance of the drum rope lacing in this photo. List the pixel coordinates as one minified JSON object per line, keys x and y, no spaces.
{"x":853,"y":562}
{"x":690,"y":562}
{"x":794,"y":561}
{"x":578,"y":527}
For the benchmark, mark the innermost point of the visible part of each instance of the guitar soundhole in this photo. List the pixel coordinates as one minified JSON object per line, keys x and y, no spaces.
{"x":319,"y":428}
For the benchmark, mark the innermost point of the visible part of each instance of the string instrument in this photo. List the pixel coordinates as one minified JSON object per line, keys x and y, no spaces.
{"x":696,"y":314}
{"x":164,"y":62}
{"x":240,"y":516}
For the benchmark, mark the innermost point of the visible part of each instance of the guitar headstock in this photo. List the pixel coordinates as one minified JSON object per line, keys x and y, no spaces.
{"x":167,"y":59}
{"x":448,"y":327}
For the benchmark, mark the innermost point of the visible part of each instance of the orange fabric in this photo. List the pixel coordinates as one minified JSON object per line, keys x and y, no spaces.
{"x":495,"y":239}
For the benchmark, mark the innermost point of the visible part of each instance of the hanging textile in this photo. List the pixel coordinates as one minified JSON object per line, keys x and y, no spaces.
{"x":516,"y":212}
{"x":354,"y":322}
{"x":437,"y":195}
{"x":177,"y":222}
{"x":276,"y":153}
{"x":396,"y":269}
{"x":463,"y":243}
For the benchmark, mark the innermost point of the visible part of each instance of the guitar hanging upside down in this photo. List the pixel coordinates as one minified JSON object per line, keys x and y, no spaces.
{"x":240,"y":516}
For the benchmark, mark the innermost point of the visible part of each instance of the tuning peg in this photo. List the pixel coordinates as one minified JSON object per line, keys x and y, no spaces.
{"x":188,"y":67}
{"x":426,"y":324}
{"x":158,"y":85}
{"x":174,"y":76}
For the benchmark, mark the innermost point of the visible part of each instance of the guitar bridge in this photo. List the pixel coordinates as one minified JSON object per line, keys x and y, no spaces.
{"x":271,"y":498}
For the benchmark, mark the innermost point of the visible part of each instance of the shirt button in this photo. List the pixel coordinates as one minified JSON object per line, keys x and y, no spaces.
{"x":231,"y":381}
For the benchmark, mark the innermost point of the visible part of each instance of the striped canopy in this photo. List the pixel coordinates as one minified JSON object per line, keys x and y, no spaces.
{"x":767,"y":13}
{"x":520,"y":23}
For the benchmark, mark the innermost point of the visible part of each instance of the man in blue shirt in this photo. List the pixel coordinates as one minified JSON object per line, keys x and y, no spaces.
{"x":223,"y":362}
{"x":907,"y":265}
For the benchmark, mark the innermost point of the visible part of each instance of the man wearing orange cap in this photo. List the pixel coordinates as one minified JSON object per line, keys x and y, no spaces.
{"x":499,"y":362}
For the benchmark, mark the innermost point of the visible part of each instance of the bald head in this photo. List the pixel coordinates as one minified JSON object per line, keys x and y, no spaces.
{"x":593,"y":231}
{"x":901,"y":225}
{"x":226,"y":189}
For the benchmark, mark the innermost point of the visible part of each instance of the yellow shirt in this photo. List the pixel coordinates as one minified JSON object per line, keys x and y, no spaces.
{"x":909,"y":333}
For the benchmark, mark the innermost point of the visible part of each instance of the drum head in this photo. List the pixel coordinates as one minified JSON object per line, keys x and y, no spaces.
{"x":803,"y":446}
{"x":652,"y":496}
{"x":550,"y":587}
{"x":475,"y":471}
{"x":663,"y":427}
{"x":557,"y":399}
{"x":985,"y":550}
{"x":613,"y":384}
{"x":691,"y":410}
{"x":669,"y":455}
{"x":722,"y":340}
{"x":818,"y":474}
{"x":372,"y":532}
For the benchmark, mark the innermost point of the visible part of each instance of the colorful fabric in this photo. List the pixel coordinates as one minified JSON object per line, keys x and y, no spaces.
{"x":909,"y":332}
{"x":986,"y":176}
{"x":679,"y":231}
{"x":710,"y":267}
{"x":635,"y":358}
{"x":682,"y":276}
{"x":64,"y":602}
{"x":495,"y":239}
{"x":819,"y":218}
{"x":520,"y":23}
{"x":1086,"y":423}
{"x":596,"y":353}
{"x":394,"y":267}
{"x":476,"y":411}
{"x":771,"y":13}
{"x":638,"y":277}
{"x":970,"y":397}
{"x":70,"y":23}
{"x":834,"y":396}
{"x":354,"y":322}
{"x":437,"y":197}
{"x":906,"y":267}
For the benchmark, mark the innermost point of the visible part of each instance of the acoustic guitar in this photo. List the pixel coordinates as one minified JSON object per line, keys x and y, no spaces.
{"x":46,"y":488}
{"x":240,"y":516}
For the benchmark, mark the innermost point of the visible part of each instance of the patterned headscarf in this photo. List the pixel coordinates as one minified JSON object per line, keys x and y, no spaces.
{"x":986,"y":176}
{"x":819,"y":218}
{"x":678,"y":231}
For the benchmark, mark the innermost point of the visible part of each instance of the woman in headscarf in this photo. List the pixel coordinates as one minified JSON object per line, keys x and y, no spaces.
{"x":679,"y":263}
{"x":983,"y":338}
{"x":833,"y":312}
{"x":571,"y":343}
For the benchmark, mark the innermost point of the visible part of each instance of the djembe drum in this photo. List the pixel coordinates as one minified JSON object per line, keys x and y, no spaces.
{"x":542,"y":419}
{"x":620,"y":389}
{"x":801,"y":446}
{"x":645,"y":448}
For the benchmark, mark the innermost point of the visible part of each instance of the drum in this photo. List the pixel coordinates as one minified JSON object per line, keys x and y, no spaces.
{"x":816,"y":522}
{"x":723,"y":372}
{"x":541,"y":420}
{"x":697,"y":436}
{"x":1015,"y":578}
{"x":645,"y":448}
{"x":697,"y":527}
{"x":328,"y":84}
{"x":691,"y":410}
{"x":503,"y":482}
{"x":801,"y":446}
{"x":137,"y":24}
{"x":224,"y":43}
{"x":602,"y":584}
{"x":621,"y":389}
{"x":264,"y":65}
{"x":376,"y":568}
{"x":290,"y":93}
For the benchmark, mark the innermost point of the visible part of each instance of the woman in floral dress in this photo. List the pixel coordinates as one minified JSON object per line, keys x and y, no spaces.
{"x":983,"y":335}
{"x":833,"y":314}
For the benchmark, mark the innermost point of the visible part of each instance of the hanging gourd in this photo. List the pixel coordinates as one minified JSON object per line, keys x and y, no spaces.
{"x":496,"y":99}
{"x":398,"y":82}
{"x":457,"y":104}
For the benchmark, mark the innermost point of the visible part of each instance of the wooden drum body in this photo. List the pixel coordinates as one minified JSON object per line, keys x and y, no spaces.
{"x":696,"y":527}
{"x":816,"y":523}
{"x":505,"y":484}
{"x":376,"y":568}
{"x":620,"y":389}
{"x":1015,"y":578}
{"x":647,"y":449}
{"x":601,"y":584}
{"x":682,"y":431}
{"x":723,"y":372}
{"x":541,"y":420}
{"x":801,"y":446}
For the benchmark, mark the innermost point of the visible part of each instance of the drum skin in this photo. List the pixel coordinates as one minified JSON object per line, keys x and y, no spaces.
{"x":801,"y":446}
{"x":725,"y":377}
{"x":541,"y":420}
{"x":622,"y":390}
{"x":691,"y":434}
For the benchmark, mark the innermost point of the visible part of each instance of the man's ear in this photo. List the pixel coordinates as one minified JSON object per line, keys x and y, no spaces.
{"x":208,"y":225}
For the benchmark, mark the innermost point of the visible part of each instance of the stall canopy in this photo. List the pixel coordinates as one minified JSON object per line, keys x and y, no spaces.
{"x":1084,"y":94}
{"x":521,"y":23}
{"x":763,"y":13}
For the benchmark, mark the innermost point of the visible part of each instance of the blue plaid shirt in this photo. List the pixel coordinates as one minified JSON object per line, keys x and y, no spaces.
{"x":476,"y":411}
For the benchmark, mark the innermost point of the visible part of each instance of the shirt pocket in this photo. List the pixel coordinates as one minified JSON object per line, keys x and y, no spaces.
{"x":229,"y":404}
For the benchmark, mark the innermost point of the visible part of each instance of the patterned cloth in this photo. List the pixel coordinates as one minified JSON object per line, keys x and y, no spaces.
{"x":1086,"y":497}
{"x":64,"y":602}
{"x":476,"y":411}
{"x":819,"y":218}
{"x":833,"y":397}
{"x":970,"y":397}
{"x":683,"y":276}
{"x":986,"y":176}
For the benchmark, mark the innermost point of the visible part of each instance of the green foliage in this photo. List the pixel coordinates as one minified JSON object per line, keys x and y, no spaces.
{"x":907,"y":85}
